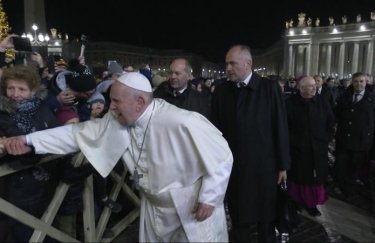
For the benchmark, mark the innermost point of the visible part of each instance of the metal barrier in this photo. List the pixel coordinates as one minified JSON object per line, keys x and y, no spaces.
{"x":92,"y":232}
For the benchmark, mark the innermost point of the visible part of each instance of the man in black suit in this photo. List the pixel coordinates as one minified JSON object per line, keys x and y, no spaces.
{"x":355,"y":115}
{"x":250,"y":112}
{"x":178,"y":90}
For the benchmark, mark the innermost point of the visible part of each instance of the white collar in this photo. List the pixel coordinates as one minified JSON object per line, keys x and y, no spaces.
{"x":361,"y":93}
{"x":247,"y":79}
{"x":182,"y":90}
{"x":143,"y":119}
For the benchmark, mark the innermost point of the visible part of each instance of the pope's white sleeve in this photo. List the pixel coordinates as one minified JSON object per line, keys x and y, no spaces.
{"x":214,"y":185}
{"x":59,"y":140}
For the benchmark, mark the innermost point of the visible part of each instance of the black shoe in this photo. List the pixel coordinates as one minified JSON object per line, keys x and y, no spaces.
{"x":313,"y":212}
{"x":114,"y":206}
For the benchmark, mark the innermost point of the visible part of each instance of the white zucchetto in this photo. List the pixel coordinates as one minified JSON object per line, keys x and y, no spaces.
{"x":136,"y":81}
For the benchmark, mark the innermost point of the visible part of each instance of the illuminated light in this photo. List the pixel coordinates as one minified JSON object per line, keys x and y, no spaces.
{"x":362,"y":28}
{"x":291,"y":32}
{"x":334,"y":31}
{"x":304,"y":32}
{"x":34,"y":27}
{"x":40,"y":37}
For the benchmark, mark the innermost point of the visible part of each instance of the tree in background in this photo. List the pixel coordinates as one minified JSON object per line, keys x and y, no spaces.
{"x":4,"y":31}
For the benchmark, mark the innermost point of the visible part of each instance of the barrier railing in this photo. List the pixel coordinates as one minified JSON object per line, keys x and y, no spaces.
{"x":92,"y":231}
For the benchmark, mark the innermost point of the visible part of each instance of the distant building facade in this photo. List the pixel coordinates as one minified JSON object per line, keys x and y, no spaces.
{"x":97,"y":55}
{"x":335,"y":50}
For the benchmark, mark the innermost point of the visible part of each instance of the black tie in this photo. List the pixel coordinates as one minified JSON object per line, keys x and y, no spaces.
{"x":241,"y":84}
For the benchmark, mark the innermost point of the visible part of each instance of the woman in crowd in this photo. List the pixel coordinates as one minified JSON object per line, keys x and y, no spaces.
{"x":23,"y":110}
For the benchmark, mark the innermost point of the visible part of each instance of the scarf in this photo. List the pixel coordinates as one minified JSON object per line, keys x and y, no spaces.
{"x":24,"y":116}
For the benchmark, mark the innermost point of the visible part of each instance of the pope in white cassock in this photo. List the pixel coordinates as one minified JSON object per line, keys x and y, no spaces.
{"x":179,"y":161}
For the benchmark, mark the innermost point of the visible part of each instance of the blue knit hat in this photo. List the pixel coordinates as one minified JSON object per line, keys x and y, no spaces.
{"x":96,"y":97}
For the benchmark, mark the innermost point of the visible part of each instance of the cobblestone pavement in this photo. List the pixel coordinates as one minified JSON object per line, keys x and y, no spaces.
{"x":307,"y":231}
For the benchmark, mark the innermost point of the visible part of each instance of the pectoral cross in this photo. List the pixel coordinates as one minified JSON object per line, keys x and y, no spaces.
{"x":135,"y":178}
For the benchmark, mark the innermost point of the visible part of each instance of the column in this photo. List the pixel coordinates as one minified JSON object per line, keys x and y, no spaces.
{"x":35,"y":13}
{"x":328,"y":60}
{"x":290,"y":61}
{"x":341,"y":60}
{"x":308,"y":59}
{"x":355,"y":57}
{"x":370,"y":57}
{"x":314,"y":58}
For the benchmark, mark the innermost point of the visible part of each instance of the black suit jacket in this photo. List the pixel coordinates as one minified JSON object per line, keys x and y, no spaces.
{"x":253,"y":120}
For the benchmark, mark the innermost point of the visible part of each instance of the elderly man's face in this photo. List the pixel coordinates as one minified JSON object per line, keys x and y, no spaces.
{"x":124,"y":104}
{"x":307,"y":88}
{"x":238,"y":65}
{"x":178,"y":77}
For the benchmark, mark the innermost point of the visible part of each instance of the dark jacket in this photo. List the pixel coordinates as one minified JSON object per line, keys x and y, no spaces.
{"x":328,"y":95}
{"x":253,"y":121}
{"x":190,"y":99}
{"x":32,"y":188}
{"x":355,"y":122}
{"x":311,"y":127}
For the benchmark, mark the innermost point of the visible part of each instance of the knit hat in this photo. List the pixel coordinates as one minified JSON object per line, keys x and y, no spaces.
{"x":80,"y":79}
{"x":66,"y":113}
{"x":96,"y":97}
{"x":114,"y":68}
{"x":136,"y":81}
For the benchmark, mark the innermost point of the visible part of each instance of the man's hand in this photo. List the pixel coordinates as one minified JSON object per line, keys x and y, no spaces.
{"x":66,"y":97}
{"x":16,"y":145}
{"x":282,"y":176}
{"x":7,"y":42}
{"x":95,"y":113}
{"x":82,"y":60}
{"x":36,"y":57}
{"x":202,"y":211}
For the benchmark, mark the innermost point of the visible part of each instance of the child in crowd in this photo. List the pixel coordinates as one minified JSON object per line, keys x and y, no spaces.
{"x":72,"y":205}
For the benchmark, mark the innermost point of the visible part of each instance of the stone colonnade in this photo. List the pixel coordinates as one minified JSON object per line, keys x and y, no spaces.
{"x":337,"y":51}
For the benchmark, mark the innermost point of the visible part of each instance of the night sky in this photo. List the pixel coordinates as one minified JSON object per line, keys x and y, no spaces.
{"x":207,"y":28}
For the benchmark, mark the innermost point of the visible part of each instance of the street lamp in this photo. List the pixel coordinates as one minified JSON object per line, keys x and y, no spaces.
{"x":37,"y":39}
{"x":35,"y":28}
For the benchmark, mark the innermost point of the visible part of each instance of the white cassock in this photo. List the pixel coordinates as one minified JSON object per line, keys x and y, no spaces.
{"x":184,"y":160}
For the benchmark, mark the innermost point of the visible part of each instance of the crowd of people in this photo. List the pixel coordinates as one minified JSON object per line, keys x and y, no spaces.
{"x":192,"y":145}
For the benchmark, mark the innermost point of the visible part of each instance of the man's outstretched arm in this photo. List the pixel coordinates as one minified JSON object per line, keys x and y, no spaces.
{"x":59,"y":140}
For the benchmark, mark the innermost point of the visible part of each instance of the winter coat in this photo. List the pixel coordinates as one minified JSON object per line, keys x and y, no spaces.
{"x":31,"y":188}
{"x":311,"y":127}
{"x":253,"y":121}
{"x":355,"y":122}
{"x":190,"y":99}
